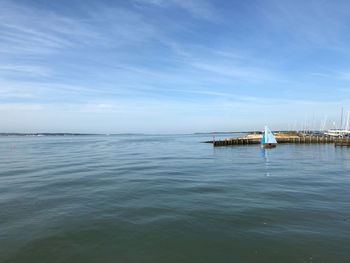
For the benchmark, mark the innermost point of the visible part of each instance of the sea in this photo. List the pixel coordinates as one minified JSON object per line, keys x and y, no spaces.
{"x":171,"y":198}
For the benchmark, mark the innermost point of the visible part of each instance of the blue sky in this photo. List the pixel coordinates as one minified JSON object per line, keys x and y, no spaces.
{"x":172,"y":66}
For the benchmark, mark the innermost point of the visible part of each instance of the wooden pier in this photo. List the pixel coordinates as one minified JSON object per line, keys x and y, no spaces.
{"x":337,"y":141}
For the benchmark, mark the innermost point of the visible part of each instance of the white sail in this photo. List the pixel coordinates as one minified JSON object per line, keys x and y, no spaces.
{"x":268,"y":137}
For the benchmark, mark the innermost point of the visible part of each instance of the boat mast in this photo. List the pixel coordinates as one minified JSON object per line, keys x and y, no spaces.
{"x":323,"y":126}
{"x":341,"y":118}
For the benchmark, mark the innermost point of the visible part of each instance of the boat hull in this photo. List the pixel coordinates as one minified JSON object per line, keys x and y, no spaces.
{"x":268,"y":145}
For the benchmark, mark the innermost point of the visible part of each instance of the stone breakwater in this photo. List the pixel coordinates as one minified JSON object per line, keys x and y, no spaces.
{"x":255,"y":139}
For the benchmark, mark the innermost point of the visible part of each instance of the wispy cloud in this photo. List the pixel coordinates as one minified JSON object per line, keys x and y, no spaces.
{"x":21,"y":107}
{"x":344,"y":75}
{"x":335,"y":75}
{"x":28,"y":30}
{"x":199,"y":9}
{"x":16,"y":70}
{"x":231,"y":71}
{"x":316,"y":23}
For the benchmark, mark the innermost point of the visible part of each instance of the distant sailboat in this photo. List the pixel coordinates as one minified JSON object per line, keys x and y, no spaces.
{"x":268,"y":140}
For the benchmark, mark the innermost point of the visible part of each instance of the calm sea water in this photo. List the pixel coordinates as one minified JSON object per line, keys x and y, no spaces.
{"x":170,"y":198}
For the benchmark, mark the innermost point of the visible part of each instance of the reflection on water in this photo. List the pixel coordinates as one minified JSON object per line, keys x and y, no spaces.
{"x":265,"y":154}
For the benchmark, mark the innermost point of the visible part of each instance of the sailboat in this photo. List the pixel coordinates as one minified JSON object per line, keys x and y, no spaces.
{"x":268,"y":140}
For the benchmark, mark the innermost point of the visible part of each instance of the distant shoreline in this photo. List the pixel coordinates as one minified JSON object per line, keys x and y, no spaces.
{"x":102,"y":134}
{"x":44,"y":134}
{"x":223,"y":132}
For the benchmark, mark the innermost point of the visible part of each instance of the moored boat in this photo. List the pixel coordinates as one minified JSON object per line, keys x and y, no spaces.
{"x":337,"y":132}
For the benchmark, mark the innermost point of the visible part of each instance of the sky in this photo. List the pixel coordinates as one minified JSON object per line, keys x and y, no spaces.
{"x":173,"y":66}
